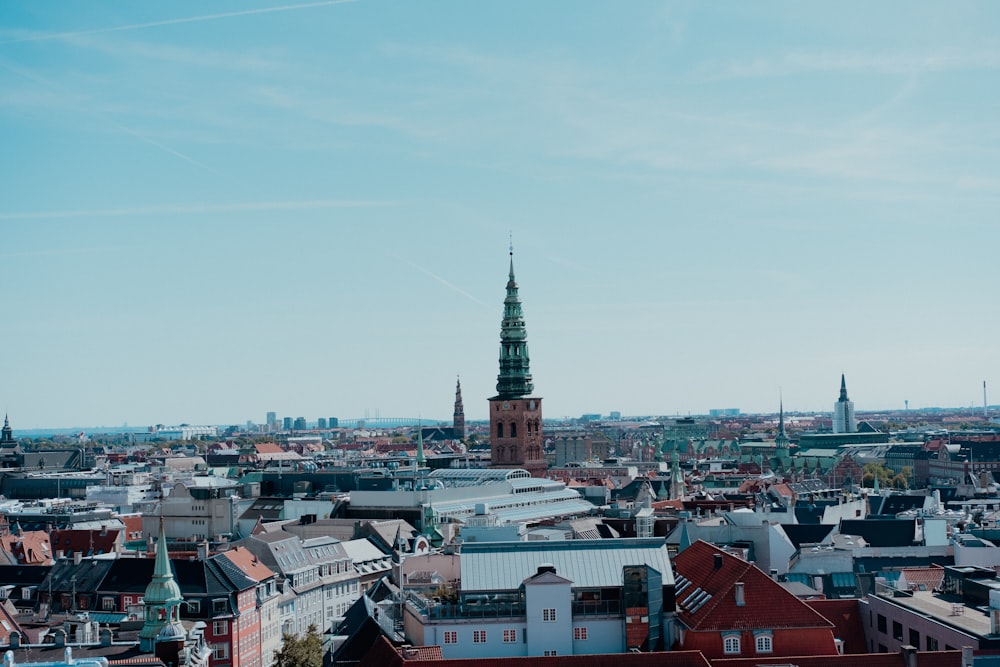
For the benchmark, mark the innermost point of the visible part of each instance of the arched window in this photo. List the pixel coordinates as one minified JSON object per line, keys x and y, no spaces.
{"x":764,"y":644}
{"x":499,"y":429}
{"x":513,"y":429}
{"x":731,"y":645}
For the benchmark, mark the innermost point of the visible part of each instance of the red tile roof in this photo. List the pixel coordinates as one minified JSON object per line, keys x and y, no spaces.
{"x":708,"y":602}
{"x":248,"y":562}
{"x":924,"y":659}
{"x":846,"y":618}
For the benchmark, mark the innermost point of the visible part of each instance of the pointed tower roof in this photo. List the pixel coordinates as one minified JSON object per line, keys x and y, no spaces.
{"x":781,"y":440}
{"x":420,"y":442}
{"x":162,"y":600}
{"x":514,"y":380}
{"x":843,"y":389}
{"x":7,"y":433}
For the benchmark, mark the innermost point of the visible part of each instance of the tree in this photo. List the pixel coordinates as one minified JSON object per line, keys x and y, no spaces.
{"x":298,"y":651}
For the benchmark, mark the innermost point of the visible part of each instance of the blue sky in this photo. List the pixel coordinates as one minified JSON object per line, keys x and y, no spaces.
{"x":210,"y":211}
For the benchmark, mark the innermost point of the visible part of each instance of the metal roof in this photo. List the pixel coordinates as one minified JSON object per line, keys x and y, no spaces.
{"x":488,"y":566}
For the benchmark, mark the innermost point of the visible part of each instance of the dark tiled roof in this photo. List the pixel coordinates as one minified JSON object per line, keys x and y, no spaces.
{"x":881,"y":532}
{"x":806,"y":533}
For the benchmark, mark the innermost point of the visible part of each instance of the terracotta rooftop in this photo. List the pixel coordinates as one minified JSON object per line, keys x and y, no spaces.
{"x":706,"y":580}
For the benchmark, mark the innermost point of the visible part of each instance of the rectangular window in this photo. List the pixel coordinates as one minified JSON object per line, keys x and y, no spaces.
{"x":914,"y":639}
{"x":219,"y":605}
{"x":220,"y":651}
{"x":108,"y":604}
{"x":194,"y":606}
{"x":580,"y":634}
{"x":549,"y":615}
{"x":731,"y":645}
{"x":450,"y":637}
{"x":479,"y":636}
{"x":220,"y":628}
{"x":897,"y":631}
{"x":509,"y":636}
{"x":550,"y":653}
{"x":881,"y":624}
{"x":932,"y":644}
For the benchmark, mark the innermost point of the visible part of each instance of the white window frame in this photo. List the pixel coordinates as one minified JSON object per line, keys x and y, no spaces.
{"x":549,"y":615}
{"x":731,"y":645}
{"x":510,"y":636}
{"x":479,"y":636}
{"x":580,"y":633}
{"x":764,"y":643}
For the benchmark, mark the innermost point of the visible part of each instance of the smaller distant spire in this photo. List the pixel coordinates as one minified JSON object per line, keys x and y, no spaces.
{"x":843,"y":389}
{"x":420,"y":441}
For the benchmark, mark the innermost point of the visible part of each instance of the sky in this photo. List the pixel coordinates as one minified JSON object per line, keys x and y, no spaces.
{"x":209,"y":211}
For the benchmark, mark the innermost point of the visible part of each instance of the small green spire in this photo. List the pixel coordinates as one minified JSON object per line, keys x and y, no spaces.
{"x":420,"y":442}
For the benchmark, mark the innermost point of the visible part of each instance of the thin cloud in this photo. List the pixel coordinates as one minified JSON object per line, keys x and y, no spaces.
{"x":310,"y":204}
{"x":165,"y":22}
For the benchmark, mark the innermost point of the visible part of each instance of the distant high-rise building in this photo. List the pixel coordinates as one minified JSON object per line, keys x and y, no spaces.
{"x":333,"y":422}
{"x":286,"y":424}
{"x":843,"y":411}
{"x":458,"y":419}
{"x":300,"y":424}
{"x":272,"y":419}
{"x":321,"y":422}
{"x":515,"y":415}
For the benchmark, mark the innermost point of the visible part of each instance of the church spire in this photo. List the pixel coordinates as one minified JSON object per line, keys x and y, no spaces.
{"x":843,"y":389}
{"x":162,"y":601}
{"x":420,"y":442}
{"x":458,"y":419}
{"x":781,"y":440}
{"x":514,"y":380}
{"x":7,"y":433}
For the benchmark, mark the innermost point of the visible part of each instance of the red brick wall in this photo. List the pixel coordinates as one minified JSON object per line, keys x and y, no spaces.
{"x":807,"y":641}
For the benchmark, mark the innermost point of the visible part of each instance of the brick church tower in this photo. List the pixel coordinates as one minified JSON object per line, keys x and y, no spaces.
{"x":515,"y":415}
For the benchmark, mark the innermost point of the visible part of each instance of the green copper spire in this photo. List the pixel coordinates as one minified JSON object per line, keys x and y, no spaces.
{"x":781,"y":440}
{"x":420,"y":442}
{"x":162,"y":600}
{"x":514,"y":380}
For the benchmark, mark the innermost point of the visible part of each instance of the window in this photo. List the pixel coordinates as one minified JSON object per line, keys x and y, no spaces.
{"x":194,"y":606}
{"x":881,"y":624}
{"x":220,"y":628}
{"x":731,"y":645}
{"x":450,"y":637}
{"x":897,"y":631}
{"x":509,"y":636}
{"x":108,"y":604}
{"x":499,"y":430}
{"x":219,"y":605}
{"x":914,"y":639}
{"x":220,"y":651}
{"x":479,"y":636}
{"x":549,"y":615}
{"x":580,"y":634}
{"x":932,"y":644}
{"x":764,"y":644}
{"x":550,"y":653}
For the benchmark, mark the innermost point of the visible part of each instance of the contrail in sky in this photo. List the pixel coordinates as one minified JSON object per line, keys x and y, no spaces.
{"x":188,"y":19}
{"x":195,"y":209}
{"x":438,"y":278}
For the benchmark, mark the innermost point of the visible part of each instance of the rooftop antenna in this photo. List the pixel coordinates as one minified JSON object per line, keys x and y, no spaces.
{"x":986,"y":406}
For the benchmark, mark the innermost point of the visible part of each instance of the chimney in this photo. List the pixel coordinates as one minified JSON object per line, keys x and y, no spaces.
{"x":717,"y":562}
{"x":994,"y":612}
{"x":909,"y":654}
{"x":203,"y":550}
{"x":77,"y":557}
{"x":967,"y":659}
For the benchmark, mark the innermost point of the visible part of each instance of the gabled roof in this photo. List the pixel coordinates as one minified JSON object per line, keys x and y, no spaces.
{"x":846,"y":618}
{"x":706,"y":600}
{"x":246,"y":562}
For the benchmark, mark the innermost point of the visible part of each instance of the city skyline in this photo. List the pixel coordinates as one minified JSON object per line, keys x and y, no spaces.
{"x":305,"y":207}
